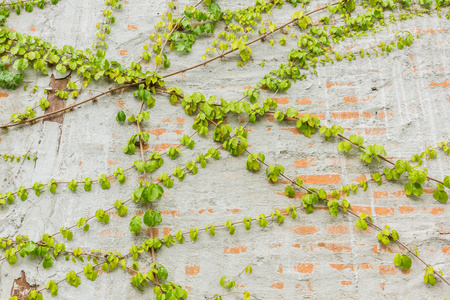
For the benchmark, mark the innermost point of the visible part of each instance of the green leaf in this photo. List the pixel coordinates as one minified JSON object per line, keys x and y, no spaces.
{"x":403,"y":261}
{"x":447,"y":182}
{"x":247,"y":295}
{"x":152,"y":218}
{"x":121,"y":117}
{"x":440,"y":195}
{"x":135,"y":224}
{"x":289,"y":191}
{"x":304,"y":21}
{"x":350,"y":5}
{"x":361,"y":224}
{"x":408,"y":188}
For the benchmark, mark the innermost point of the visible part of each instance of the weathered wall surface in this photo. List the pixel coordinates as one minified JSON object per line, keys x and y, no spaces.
{"x":316,"y":256}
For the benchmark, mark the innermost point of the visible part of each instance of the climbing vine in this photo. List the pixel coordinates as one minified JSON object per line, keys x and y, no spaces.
{"x":314,"y":35}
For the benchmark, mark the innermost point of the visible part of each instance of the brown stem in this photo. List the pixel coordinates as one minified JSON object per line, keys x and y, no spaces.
{"x":357,"y":216}
{"x":152,"y":249}
{"x":362,"y":147}
{"x":71,"y":106}
{"x":172,"y":31}
{"x":247,"y":44}
{"x":165,"y":76}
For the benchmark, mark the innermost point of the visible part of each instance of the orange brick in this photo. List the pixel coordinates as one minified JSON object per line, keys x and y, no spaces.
{"x":293,"y":130}
{"x":321,"y":179}
{"x":282,"y":100}
{"x":443,"y":84}
{"x":445,"y":249}
{"x":304,"y":101}
{"x":112,"y":162}
{"x":166,"y":230}
{"x":304,"y":162}
{"x":384,"y":211}
{"x":2,"y":95}
{"x":437,"y":211}
{"x":132,"y":27}
{"x":407,"y":209}
{"x":173,"y":213}
{"x":350,"y":99}
{"x":155,"y":232}
{"x":335,"y":247}
{"x":303,"y":229}
{"x":108,"y":232}
{"x":365,"y":266}
{"x":157,"y":131}
{"x":235,"y":250}
{"x":346,"y":282}
{"x":164,"y":146}
{"x":387,"y":269}
{"x":362,"y":209}
{"x":123,"y":52}
{"x":192,"y":270}
{"x":338,"y":229}
{"x":341,"y":267}
{"x":320,"y":116}
{"x":329,"y":84}
{"x":345,"y":115}
{"x":278,"y":285}
{"x":304,"y":268}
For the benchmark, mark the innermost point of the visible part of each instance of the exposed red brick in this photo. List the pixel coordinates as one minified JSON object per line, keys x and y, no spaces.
{"x":321,"y":179}
{"x":341,"y":267}
{"x":192,"y":270}
{"x":304,"y":162}
{"x":298,"y":229}
{"x":278,"y":285}
{"x":304,"y":101}
{"x":338,"y":229}
{"x":335,"y":247}
{"x":443,"y":84}
{"x":387,"y":269}
{"x":304,"y":268}
{"x":235,"y":250}
{"x":282,"y":100}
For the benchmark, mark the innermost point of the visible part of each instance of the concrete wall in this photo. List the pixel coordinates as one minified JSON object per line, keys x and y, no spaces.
{"x":316,"y":256}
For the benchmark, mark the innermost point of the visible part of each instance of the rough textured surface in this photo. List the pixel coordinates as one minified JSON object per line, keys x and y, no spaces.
{"x":316,"y":256}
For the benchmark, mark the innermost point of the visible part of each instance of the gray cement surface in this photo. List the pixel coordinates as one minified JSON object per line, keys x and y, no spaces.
{"x":400,"y":100}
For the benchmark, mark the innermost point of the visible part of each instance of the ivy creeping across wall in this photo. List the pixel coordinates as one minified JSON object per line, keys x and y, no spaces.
{"x":200,"y":39}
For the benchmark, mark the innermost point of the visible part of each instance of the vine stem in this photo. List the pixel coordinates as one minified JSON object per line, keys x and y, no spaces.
{"x":95,"y":266}
{"x":165,"y":76}
{"x":141,"y":148}
{"x":262,"y":37}
{"x":145,"y":180}
{"x":362,"y":147}
{"x":57,"y":282}
{"x":65,"y":251}
{"x":356,"y":215}
{"x":111,"y":175}
{"x":172,"y":31}
{"x":384,"y":158}
{"x":70,"y":106}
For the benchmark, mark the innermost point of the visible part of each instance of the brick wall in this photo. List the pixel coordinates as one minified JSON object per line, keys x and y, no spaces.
{"x":316,"y":256}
